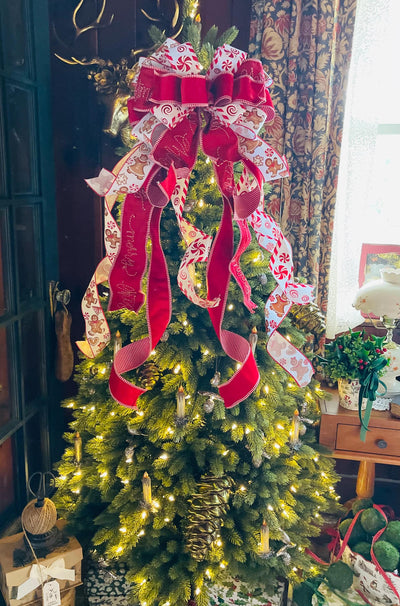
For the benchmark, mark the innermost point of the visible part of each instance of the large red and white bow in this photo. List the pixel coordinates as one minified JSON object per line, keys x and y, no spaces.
{"x":175,"y":110}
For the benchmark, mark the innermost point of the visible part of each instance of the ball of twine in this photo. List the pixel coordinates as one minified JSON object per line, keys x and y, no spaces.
{"x":39,"y":520}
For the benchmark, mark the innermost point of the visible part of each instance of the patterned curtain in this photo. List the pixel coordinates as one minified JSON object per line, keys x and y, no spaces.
{"x":305,"y":46}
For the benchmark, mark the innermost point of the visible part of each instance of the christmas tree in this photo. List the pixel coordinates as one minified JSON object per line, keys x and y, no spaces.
{"x":183,"y":490}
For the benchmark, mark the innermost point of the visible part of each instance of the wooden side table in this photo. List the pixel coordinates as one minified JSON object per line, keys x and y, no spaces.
{"x":340,"y":431}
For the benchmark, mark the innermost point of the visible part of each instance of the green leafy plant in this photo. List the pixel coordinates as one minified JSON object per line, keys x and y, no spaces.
{"x":351,"y":354}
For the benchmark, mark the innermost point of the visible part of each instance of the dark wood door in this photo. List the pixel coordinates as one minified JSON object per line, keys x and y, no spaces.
{"x":28,"y":252}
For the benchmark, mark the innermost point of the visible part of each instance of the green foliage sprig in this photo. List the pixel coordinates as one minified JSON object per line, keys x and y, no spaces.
{"x":351,"y":354}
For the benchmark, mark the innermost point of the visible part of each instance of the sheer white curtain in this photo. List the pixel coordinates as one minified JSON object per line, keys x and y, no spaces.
{"x":368,"y":200}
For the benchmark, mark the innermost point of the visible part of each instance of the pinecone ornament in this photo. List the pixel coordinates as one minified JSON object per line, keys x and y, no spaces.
{"x":207,"y":509}
{"x":149,"y":374}
{"x":309,"y":318}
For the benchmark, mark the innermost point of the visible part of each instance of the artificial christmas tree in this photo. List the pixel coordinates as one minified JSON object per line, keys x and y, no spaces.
{"x":184,"y":490}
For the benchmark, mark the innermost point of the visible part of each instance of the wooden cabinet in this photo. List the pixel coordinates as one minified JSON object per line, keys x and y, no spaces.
{"x":340,"y":431}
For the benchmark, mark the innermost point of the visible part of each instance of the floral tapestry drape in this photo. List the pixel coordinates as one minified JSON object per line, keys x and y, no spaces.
{"x":305,"y":46}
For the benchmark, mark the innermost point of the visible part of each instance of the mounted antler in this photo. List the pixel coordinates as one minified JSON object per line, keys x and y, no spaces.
{"x":96,"y":24}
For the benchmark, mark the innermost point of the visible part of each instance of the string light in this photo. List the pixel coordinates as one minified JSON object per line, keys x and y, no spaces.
{"x":119,"y":549}
{"x":230,"y":307}
{"x":92,"y":408}
{"x":144,"y":515}
{"x":222,"y":565}
{"x":123,"y":529}
{"x":153,"y":352}
{"x":166,"y":520}
{"x":76,"y":491}
{"x":71,"y":404}
{"x":156,"y":504}
{"x":323,"y":474}
{"x":205,"y":352}
{"x":219,"y":543}
{"x":238,"y":366}
{"x":198,"y":590}
{"x":170,"y":430}
{"x":234,"y":426}
{"x":141,"y":533}
{"x":78,"y":473}
{"x":247,"y":430}
{"x":270,"y":508}
{"x":266,"y":388}
{"x":143,"y":582}
{"x":104,"y":474}
{"x":293,"y":488}
{"x":99,"y":437}
{"x":201,"y":203}
{"x":279,"y":426}
{"x":163,"y":456}
{"x":140,"y":413}
{"x":288,"y":338}
{"x":125,"y":481}
{"x":171,"y":498}
{"x":63,"y":478}
{"x":112,"y":414}
{"x":277,"y":446}
{"x":208,"y":573}
{"x":225,"y":453}
{"x":177,"y":368}
{"x":185,"y":322}
{"x":103,"y":370}
{"x":242,"y":488}
{"x":316,"y":458}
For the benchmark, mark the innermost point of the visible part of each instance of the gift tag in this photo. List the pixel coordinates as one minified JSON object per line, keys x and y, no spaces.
{"x":51,"y":594}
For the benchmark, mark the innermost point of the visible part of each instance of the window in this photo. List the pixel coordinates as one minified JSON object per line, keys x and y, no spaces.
{"x":368,"y":199}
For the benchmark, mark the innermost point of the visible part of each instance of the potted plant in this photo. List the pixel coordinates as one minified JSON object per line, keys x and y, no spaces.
{"x":351,"y":359}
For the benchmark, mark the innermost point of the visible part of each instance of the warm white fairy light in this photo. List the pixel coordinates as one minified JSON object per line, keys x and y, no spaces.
{"x":122,"y":529}
{"x":290,"y":384}
{"x":170,"y":430}
{"x":293,"y":488}
{"x":270,"y":508}
{"x":163,"y":456}
{"x":225,"y":453}
{"x":119,"y":549}
{"x":208,"y":573}
{"x":76,"y":491}
{"x":153,"y":352}
{"x":242,"y":488}
{"x":71,"y":404}
{"x":205,"y":352}
{"x":247,"y":430}
{"x":222,"y":565}
{"x":78,"y":473}
{"x":140,"y":413}
{"x":238,"y":365}
{"x":99,"y":437}
{"x":144,"y":515}
{"x":198,"y":591}
{"x":266,"y":388}
{"x":141,"y":533}
{"x":316,"y":493}
{"x":185,"y":322}
{"x":331,"y":488}
{"x":143,"y":582}
{"x":63,"y":478}
{"x":104,"y":474}
{"x":288,"y":338}
{"x":112,"y":414}
{"x":234,"y":426}
{"x":323,"y":474}
{"x":285,"y":513}
{"x":201,"y":203}
{"x":219,"y":543}
{"x":92,"y":408}
{"x":316,"y":458}
{"x":198,"y":284}
{"x":156,"y":504}
{"x":171,"y":498}
{"x":126,"y":481}
{"x":103,"y":370}
{"x":230,"y":307}
{"x":166,"y":519}
{"x":294,"y":569}
{"x":177,"y":368}
{"x":212,"y":180}
{"x":280,"y":427}
{"x":277,"y":446}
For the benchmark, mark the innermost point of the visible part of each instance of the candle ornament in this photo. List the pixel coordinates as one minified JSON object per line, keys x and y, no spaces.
{"x":180,"y":417}
{"x":265,"y":549}
{"x":253,"y":338}
{"x":146,"y":483}
{"x":117,"y":342}
{"x":295,"y":442}
{"x":77,"y":449}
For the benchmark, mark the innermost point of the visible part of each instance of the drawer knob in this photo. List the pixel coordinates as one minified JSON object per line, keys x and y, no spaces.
{"x":381,"y":443}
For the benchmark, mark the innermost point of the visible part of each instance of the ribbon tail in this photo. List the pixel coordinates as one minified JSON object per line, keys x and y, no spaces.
{"x":367,"y":414}
{"x":290,"y":359}
{"x":133,"y":355}
{"x":235,"y":269}
{"x":246,"y":379}
{"x":96,"y":327}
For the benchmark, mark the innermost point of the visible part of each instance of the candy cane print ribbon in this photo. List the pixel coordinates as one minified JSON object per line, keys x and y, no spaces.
{"x":176,"y":109}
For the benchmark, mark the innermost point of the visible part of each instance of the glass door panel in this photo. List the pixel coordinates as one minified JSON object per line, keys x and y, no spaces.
{"x":6,"y":404}
{"x":7,"y":484}
{"x":27,"y":239}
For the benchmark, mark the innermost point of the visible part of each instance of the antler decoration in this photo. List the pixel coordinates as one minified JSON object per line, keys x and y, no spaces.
{"x":96,"y":24}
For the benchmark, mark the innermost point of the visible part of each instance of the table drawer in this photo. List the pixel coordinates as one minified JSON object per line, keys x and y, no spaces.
{"x":379,"y":441}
